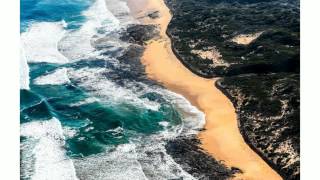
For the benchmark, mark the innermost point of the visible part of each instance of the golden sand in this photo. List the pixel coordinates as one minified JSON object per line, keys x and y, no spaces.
{"x":222,"y":138}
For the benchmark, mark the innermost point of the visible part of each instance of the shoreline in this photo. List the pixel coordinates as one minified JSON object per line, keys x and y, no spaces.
{"x":244,"y":135}
{"x":203,"y":93}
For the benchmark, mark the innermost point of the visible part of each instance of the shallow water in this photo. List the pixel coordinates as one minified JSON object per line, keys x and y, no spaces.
{"x":85,"y":111}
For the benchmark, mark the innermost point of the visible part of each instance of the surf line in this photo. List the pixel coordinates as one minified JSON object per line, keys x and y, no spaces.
{"x":221,"y":138}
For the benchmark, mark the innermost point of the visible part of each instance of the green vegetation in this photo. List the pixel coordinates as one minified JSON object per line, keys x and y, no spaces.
{"x":212,"y":23}
{"x":269,"y":108}
{"x":261,"y":77}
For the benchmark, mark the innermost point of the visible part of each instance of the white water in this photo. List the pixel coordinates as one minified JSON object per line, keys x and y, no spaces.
{"x":24,"y":71}
{"x":40,"y":42}
{"x":120,"y":9}
{"x":85,"y":101}
{"x":120,"y":164}
{"x":156,"y":163}
{"x":57,"y":77}
{"x":78,"y":44}
{"x":126,"y":161}
{"x":149,"y":153}
{"x":131,"y":161}
{"x":193,"y":118}
{"x":51,"y":163}
{"x":94,"y":80}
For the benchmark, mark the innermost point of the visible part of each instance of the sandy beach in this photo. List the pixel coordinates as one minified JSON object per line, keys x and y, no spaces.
{"x":221,"y":138}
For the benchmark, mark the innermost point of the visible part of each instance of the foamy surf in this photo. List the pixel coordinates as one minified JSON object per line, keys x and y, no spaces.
{"x":121,"y":10}
{"x":40,"y":42}
{"x":120,"y":163}
{"x":85,"y":67}
{"x":85,"y":101}
{"x":156,"y":163}
{"x":58,"y":77}
{"x":51,"y":162}
{"x":24,"y":71}
{"x":147,"y":157}
{"x":79,"y":44}
{"x":104,"y":90}
{"x":94,"y":80}
{"x":193,"y":119}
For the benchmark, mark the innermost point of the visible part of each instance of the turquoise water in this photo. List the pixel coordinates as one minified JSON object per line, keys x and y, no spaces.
{"x":95,"y":121}
{"x":82,"y":105}
{"x":53,"y":11}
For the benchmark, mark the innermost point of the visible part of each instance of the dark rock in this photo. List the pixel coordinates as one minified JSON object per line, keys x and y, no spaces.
{"x":139,"y":34}
{"x":154,"y":14}
{"x":186,"y":152}
{"x":131,"y":66}
{"x":235,"y":170}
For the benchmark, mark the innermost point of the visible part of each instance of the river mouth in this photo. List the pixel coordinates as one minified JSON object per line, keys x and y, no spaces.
{"x":221,"y":137}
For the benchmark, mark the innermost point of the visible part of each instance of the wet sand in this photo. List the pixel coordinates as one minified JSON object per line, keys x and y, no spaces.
{"x":222,"y":138}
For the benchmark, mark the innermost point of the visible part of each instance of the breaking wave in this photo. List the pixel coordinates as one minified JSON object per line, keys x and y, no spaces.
{"x":57,"y":77}
{"x":40,"y":42}
{"x":24,"y":71}
{"x":87,"y":114}
{"x":50,"y":160}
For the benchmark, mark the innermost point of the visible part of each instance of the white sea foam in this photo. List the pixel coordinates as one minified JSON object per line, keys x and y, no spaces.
{"x":120,"y":163}
{"x":99,"y":21}
{"x":50,"y":42}
{"x":147,"y":158}
{"x":57,"y":77}
{"x":193,"y":118}
{"x":164,"y":123}
{"x":99,"y":16}
{"x":156,"y":163}
{"x":26,"y":158}
{"x":51,"y":163}
{"x":40,"y":42}
{"x":24,"y":71}
{"x":94,"y":80}
{"x":69,"y":132}
{"x":85,"y":101}
{"x":121,"y":10}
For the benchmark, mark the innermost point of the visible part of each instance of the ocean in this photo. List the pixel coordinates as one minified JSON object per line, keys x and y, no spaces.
{"x":87,"y":111}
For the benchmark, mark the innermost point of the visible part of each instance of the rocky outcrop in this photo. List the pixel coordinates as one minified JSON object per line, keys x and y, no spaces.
{"x":139,"y":34}
{"x":154,"y":15}
{"x":186,"y":152}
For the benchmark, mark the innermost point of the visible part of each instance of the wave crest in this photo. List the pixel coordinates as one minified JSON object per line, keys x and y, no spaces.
{"x":50,"y":161}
